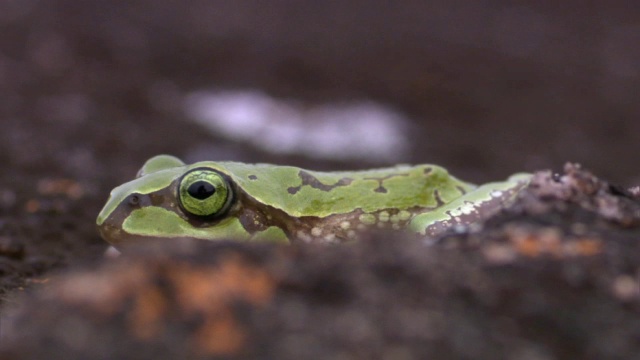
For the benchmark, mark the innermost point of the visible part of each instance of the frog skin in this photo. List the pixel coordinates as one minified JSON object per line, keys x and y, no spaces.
{"x":232,"y":200}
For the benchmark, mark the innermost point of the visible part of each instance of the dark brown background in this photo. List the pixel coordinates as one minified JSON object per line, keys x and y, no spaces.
{"x":493,"y":87}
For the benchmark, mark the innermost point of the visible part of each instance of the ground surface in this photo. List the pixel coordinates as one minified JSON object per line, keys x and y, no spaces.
{"x":554,"y":277}
{"x":89,"y":91}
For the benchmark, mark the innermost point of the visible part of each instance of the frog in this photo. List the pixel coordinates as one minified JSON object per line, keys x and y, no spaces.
{"x":224,"y":200}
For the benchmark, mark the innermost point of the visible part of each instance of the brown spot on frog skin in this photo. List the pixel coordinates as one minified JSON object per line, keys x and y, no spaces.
{"x":312,"y":181}
{"x":380,"y":180}
{"x":436,"y":195}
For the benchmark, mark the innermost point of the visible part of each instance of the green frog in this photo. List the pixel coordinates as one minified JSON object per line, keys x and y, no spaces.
{"x":231,"y":200}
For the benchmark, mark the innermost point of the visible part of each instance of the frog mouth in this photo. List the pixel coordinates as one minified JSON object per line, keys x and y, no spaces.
{"x":112,"y":234}
{"x":119,"y":238}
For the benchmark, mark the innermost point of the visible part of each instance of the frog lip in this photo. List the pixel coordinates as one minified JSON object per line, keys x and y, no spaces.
{"x":108,"y":227}
{"x":110,"y":233}
{"x":120,"y":239}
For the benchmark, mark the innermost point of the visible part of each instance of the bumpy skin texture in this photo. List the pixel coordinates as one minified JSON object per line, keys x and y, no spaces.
{"x":284,"y":203}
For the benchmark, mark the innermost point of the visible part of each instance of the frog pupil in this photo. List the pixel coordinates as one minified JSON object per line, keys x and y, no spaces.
{"x":201,"y":190}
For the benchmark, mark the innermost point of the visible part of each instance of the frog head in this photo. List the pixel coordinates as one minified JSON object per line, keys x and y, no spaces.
{"x":169,"y":199}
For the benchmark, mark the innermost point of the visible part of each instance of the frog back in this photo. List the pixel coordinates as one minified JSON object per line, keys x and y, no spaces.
{"x":299,"y":192}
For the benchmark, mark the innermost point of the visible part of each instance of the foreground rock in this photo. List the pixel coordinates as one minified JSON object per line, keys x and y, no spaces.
{"x":554,"y":277}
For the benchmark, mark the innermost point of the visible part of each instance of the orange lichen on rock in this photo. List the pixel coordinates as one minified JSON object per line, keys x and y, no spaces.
{"x":149,"y":307}
{"x":535,"y":242}
{"x":201,"y":288}
{"x":187,"y":290}
{"x":583,"y":247}
{"x":209,"y":291}
{"x":220,"y":334}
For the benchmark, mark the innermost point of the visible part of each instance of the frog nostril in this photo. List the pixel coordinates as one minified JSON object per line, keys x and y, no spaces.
{"x":134,"y":200}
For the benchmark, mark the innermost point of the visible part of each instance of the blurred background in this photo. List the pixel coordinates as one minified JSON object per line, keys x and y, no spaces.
{"x":91,"y":89}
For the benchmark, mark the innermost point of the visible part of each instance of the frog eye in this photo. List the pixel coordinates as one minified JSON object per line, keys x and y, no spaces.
{"x":204,"y":193}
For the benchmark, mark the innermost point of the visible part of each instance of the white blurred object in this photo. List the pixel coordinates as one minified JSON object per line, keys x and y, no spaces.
{"x":111,"y":253}
{"x":355,"y":130}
